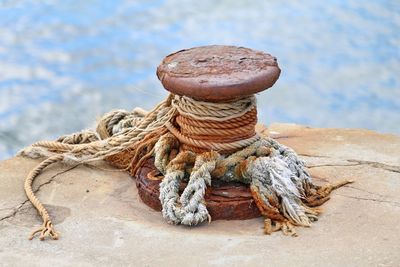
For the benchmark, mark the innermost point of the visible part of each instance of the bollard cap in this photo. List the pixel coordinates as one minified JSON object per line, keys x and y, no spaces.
{"x":218,"y":73}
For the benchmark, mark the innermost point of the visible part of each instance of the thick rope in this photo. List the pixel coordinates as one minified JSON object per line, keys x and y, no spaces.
{"x":223,"y":127}
{"x":117,"y":142}
{"x":280,"y":185}
{"x":211,"y":145}
{"x":190,"y":207}
{"x":132,"y":133}
{"x":87,"y":146}
{"x":200,"y":110}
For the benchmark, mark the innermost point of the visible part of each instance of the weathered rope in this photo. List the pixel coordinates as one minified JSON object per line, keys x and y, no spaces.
{"x":201,"y":110}
{"x":138,"y":127}
{"x":211,"y":145}
{"x":192,"y":141}
{"x":190,"y":207}
{"x":223,"y":127}
{"x":281,"y":187}
{"x":47,"y":227}
{"x":118,"y":131}
{"x":230,"y":127}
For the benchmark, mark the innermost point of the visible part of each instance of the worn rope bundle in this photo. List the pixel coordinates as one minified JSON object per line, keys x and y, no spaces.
{"x":223,"y":127}
{"x":193,"y":141}
{"x":116,"y":131}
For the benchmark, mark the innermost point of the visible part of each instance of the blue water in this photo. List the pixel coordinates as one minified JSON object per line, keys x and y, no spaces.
{"x":63,"y":64}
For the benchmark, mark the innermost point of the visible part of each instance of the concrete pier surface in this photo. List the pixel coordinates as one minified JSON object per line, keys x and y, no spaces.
{"x":102,"y":221}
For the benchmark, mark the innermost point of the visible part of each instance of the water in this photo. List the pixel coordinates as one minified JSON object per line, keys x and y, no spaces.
{"x":64,"y":64}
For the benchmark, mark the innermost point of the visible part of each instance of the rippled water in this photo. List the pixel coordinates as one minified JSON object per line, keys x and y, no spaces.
{"x":64,"y":64}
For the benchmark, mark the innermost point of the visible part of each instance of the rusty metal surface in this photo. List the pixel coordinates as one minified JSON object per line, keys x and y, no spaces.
{"x":218,"y":73}
{"x":225,"y":201}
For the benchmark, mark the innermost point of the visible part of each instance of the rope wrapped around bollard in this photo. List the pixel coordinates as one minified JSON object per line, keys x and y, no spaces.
{"x":197,"y":140}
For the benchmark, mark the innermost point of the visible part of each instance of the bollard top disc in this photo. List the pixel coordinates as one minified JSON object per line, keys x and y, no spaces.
{"x":218,"y":72}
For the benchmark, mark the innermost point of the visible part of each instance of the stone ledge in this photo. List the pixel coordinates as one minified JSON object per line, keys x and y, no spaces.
{"x":103,"y":222}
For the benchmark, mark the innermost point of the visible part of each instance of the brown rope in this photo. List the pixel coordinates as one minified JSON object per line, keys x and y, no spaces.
{"x":223,"y":127}
{"x":47,"y":227}
{"x":133,"y":157}
{"x":245,"y":119}
{"x":224,"y":136}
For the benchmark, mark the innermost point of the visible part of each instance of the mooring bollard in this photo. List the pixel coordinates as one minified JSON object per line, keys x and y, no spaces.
{"x":217,"y":74}
{"x":197,"y":155}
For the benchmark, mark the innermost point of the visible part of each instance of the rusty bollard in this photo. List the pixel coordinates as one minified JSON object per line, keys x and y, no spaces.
{"x":213,"y":74}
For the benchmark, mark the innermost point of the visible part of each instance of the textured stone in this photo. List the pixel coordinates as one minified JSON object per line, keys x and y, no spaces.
{"x":103,"y":222}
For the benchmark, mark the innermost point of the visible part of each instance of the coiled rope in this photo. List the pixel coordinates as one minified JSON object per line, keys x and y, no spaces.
{"x":223,"y":127}
{"x":192,"y":140}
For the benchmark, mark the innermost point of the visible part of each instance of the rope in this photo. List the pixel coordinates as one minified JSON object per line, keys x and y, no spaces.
{"x":281,"y":187}
{"x":192,"y":141}
{"x":139,"y":127}
{"x":47,"y":227}
{"x":82,"y":137}
{"x":189,"y":208}
{"x":201,"y":110}
{"x":210,"y":145}
{"x":223,"y":127}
